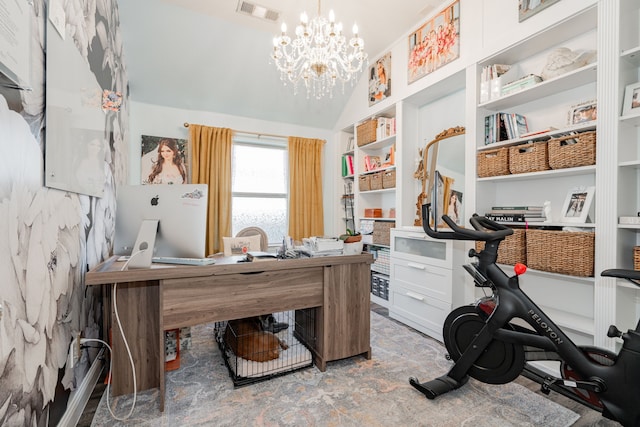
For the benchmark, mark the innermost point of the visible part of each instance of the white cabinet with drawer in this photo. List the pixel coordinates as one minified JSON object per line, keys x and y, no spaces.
{"x":426,"y":279}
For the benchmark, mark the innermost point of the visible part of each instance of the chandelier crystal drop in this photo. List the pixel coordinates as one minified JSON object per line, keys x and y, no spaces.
{"x":318,"y":55}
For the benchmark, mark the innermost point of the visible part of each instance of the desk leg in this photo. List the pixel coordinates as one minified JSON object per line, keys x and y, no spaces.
{"x":138,"y":306}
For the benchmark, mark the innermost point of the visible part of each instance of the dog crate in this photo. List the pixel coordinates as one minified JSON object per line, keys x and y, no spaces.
{"x":262,"y":347}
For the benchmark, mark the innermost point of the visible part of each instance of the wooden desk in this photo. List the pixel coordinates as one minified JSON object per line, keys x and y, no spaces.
{"x":150,"y":301}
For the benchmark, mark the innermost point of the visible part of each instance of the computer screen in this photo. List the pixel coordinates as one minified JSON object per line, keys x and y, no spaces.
{"x":181,"y":211}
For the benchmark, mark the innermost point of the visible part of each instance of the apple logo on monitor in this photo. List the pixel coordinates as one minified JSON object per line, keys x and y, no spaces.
{"x":154,"y":201}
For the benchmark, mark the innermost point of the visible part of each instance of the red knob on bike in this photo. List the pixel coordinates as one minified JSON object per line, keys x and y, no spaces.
{"x":519,"y":268}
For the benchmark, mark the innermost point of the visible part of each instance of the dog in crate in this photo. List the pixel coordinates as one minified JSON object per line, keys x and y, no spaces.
{"x":250,"y":341}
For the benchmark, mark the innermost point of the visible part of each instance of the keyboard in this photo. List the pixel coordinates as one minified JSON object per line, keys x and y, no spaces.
{"x":182,"y":261}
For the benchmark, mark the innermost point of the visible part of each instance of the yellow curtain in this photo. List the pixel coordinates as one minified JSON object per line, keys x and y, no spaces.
{"x":211,"y":164}
{"x":305,"y":187}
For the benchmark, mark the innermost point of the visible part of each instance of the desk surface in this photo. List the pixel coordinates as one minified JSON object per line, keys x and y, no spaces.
{"x":110,"y":271}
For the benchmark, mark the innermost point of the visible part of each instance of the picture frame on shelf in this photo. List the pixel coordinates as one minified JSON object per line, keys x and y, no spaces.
{"x":631,"y":104}
{"x":528,"y":8}
{"x":577,"y":204}
{"x":582,"y":113}
{"x":380,"y":79}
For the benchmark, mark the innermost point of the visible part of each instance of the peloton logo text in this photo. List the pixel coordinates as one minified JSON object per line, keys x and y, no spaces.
{"x":550,"y":332}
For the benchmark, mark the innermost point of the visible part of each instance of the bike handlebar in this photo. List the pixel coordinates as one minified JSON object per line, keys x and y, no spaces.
{"x":481,"y":224}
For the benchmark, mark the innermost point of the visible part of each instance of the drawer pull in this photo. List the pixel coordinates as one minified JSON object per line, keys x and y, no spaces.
{"x":415,"y":296}
{"x":416,"y":266}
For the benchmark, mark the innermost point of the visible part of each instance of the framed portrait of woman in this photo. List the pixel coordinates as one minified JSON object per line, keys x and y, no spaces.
{"x":380,"y":79}
{"x":163,"y":160}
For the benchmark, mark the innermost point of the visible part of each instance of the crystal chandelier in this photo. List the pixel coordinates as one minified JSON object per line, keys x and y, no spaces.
{"x":319,"y":55}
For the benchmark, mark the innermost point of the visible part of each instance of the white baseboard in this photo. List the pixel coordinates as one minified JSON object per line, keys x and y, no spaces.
{"x":81,"y":396}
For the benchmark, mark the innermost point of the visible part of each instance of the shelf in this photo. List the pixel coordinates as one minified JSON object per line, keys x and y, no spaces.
{"x":382,"y":190}
{"x":379,"y":301}
{"x":377,"y":170}
{"x":366,"y":218}
{"x":631,"y":164}
{"x":564,"y":277}
{"x":582,"y":127}
{"x":633,"y":120}
{"x":376,"y":145}
{"x":553,"y":173}
{"x":567,"y":29}
{"x":629,"y":226}
{"x":631,"y":56}
{"x":570,"y":80}
{"x":570,"y":321}
{"x":550,"y":224}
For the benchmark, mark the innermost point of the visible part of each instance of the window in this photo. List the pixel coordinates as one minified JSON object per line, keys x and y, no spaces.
{"x":260,"y":186}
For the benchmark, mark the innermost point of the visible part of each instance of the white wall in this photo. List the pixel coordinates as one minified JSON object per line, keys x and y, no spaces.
{"x":155,"y":120}
{"x":486,"y":27}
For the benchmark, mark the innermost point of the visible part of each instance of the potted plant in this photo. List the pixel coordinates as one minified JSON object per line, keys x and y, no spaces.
{"x":351,"y":236}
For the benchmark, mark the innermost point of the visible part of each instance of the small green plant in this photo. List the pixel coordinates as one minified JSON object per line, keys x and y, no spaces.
{"x":350,"y":235}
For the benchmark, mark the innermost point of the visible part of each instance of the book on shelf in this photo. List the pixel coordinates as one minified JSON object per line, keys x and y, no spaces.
{"x":516,"y":212}
{"x":629,"y":220}
{"x":347,"y":165}
{"x":520,"y":84}
{"x":504,"y":126}
{"x":386,"y":127}
{"x":515,"y":218}
{"x":518,"y":207}
{"x":538,"y":132}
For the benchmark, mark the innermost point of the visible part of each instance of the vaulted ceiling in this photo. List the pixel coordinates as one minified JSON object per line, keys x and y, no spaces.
{"x":203,"y":55}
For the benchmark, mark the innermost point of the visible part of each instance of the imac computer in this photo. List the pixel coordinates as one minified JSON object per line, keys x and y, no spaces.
{"x":160,"y":220}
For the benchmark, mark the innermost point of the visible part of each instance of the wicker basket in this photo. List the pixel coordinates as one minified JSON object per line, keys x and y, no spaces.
{"x":512,"y":249}
{"x":563,"y":252}
{"x":493,"y":163}
{"x":528,"y":158}
{"x":367,"y":132}
{"x":636,"y":257}
{"x":389,"y":179}
{"x":572,"y":151}
{"x":364,"y":182}
{"x":376,"y":181}
{"x":382,"y":232}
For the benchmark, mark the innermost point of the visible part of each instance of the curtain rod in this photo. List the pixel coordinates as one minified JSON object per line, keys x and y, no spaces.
{"x":258,"y":134}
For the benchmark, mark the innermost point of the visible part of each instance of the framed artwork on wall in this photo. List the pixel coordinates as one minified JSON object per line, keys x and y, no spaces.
{"x":163,"y":160}
{"x":631,"y":105}
{"x":435,"y":44}
{"x":528,"y":8}
{"x":380,"y":79}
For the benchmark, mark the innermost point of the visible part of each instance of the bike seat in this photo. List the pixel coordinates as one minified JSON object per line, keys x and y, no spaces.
{"x":621,"y":273}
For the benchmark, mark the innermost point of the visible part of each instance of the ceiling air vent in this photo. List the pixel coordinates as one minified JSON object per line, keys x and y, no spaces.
{"x":257,"y":11}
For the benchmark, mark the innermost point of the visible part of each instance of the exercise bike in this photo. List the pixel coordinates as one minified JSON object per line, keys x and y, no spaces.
{"x":487,"y":343}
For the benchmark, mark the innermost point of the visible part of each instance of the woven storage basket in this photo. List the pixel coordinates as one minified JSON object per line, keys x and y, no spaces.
{"x":367,"y":132}
{"x":512,"y":249}
{"x":364,"y":182}
{"x":389,"y":179}
{"x":376,"y":181}
{"x":382,"y":232}
{"x":493,"y":163}
{"x":563,"y":252}
{"x":572,"y":151}
{"x":528,"y":158}
{"x":636,"y":257}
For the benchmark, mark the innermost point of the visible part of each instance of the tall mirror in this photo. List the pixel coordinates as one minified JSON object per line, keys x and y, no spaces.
{"x":445,"y":153}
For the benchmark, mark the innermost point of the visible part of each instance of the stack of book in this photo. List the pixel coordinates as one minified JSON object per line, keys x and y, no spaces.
{"x":525,"y":213}
{"x":504,"y":126}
